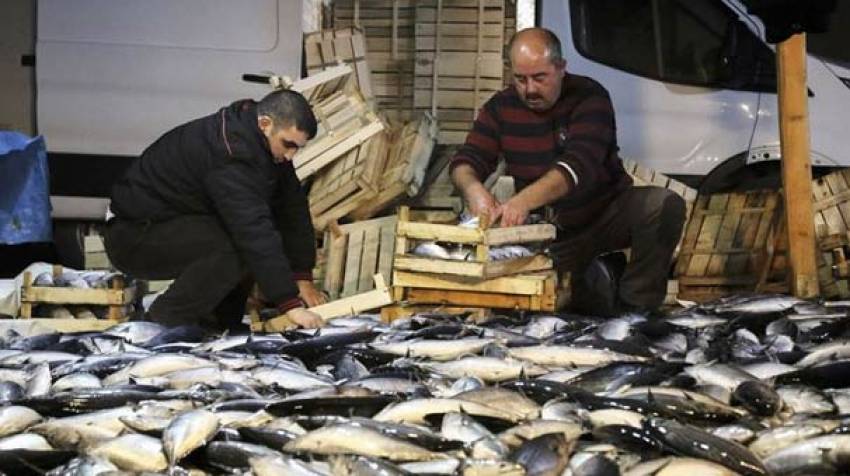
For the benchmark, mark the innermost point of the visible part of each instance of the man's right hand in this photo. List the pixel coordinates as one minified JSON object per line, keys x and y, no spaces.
{"x":482,"y":202}
{"x":298,"y":316}
{"x":305,"y":318}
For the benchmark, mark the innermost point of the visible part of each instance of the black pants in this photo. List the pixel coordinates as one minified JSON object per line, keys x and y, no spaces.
{"x":211,"y":283}
{"x":647,"y":219}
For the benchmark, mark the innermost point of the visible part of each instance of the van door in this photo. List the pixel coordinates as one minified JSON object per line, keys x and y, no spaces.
{"x":684,"y":75}
{"x":113,"y":75}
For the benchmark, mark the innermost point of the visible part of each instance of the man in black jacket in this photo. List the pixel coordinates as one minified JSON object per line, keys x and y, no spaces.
{"x":215,"y":204}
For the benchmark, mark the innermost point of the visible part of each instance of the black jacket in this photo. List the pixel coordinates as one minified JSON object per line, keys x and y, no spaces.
{"x":220,"y":165}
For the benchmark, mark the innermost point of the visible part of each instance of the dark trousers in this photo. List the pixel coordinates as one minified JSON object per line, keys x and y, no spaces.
{"x":210,"y":285}
{"x":649,"y":220}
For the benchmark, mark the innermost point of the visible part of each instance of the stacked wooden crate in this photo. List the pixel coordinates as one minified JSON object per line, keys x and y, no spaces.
{"x":527,"y":283}
{"x":737,"y":242}
{"x":329,"y":48}
{"x":345,"y":122}
{"x":370,"y":178}
{"x":459,"y":60}
{"x":404,"y":171}
{"x":389,"y":29}
{"x":404,"y":38}
{"x":354,"y":253}
{"x":94,"y":253}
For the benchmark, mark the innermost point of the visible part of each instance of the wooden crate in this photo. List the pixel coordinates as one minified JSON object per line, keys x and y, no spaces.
{"x":532,"y":292}
{"x":459,"y":61}
{"x":480,"y":238}
{"x":737,"y":242}
{"x":642,"y":176}
{"x":354,"y":253}
{"x":116,"y":298}
{"x":404,"y":172}
{"x":345,"y":122}
{"x":328,"y":48}
{"x":724,"y":248}
{"x":401,"y":33}
{"x":94,"y":253}
{"x":438,"y":190}
{"x":349,"y":182}
{"x":388,"y":26}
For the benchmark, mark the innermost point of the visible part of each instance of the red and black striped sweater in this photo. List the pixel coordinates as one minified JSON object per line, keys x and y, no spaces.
{"x":577,"y":137}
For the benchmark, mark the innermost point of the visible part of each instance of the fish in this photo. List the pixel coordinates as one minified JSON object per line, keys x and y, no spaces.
{"x":277,"y":465}
{"x":357,"y":440}
{"x":441,"y":350}
{"x":187,"y":432}
{"x":133,"y":452}
{"x":691,"y":441}
{"x":545,"y":455}
{"x":564,"y":356}
{"x":826,"y":454}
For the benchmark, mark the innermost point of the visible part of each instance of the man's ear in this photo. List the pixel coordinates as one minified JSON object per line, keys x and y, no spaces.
{"x":265,"y":124}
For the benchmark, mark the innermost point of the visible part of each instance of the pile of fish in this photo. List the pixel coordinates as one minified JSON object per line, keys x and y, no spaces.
{"x":748,"y":385}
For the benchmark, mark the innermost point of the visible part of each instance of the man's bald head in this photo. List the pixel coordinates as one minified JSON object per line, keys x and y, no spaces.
{"x":536,"y":42}
{"x":537,"y":67}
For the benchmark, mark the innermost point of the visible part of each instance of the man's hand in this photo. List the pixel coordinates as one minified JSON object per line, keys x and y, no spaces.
{"x":298,"y":316}
{"x":308,"y":292}
{"x":514,"y":212}
{"x":482,"y":202}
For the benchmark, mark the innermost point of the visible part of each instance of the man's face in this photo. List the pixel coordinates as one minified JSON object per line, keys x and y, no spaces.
{"x":537,"y":79}
{"x":284,"y":142}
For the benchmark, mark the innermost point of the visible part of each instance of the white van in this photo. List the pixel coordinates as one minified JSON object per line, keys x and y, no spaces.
{"x":694,"y":85}
{"x":113,"y":75}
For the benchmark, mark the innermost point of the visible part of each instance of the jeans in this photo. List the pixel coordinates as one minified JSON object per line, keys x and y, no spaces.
{"x":211,"y":282}
{"x":647,"y":219}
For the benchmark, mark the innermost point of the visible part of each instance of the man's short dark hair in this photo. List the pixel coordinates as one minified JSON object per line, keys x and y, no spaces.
{"x":287,"y":108}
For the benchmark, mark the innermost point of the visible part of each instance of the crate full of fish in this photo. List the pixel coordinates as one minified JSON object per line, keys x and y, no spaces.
{"x":70,"y":294}
{"x":471,"y":248}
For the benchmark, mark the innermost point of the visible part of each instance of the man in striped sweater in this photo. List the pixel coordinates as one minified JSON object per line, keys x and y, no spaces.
{"x":557,"y":135}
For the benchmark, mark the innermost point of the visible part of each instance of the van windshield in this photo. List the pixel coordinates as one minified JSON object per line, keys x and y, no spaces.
{"x":832,"y":45}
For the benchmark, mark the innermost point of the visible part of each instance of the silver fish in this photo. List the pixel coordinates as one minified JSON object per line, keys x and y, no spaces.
{"x":358,"y":440}
{"x":133,"y":452}
{"x":187,"y":432}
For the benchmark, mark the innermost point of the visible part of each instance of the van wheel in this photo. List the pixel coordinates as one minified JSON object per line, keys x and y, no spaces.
{"x":735,"y":175}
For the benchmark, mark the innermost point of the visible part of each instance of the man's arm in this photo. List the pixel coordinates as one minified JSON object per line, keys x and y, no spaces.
{"x":480,"y":200}
{"x":477,"y":159}
{"x":548,"y":188}
{"x":292,"y":214}
{"x":248,"y":220}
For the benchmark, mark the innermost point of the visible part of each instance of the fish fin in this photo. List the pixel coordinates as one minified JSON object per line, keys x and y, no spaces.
{"x":649,"y":396}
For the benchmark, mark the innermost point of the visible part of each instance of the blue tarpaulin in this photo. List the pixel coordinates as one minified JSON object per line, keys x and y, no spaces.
{"x":24,"y":189}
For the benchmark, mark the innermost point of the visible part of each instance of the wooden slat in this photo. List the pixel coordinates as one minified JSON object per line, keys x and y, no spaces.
{"x":519,"y":234}
{"x":467,"y":298}
{"x":352,"y":262}
{"x":437,"y":266}
{"x":105,"y":297}
{"x":369,"y":260}
{"x":357,"y":303}
{"x":436,"y":232}
{"x":525,"y":285}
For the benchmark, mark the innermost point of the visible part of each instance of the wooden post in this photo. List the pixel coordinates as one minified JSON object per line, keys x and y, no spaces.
{"x":796,"y":165}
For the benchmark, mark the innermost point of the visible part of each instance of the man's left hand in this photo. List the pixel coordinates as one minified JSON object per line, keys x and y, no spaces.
{"x":308,"y":292}
{"x":513,"y":212}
